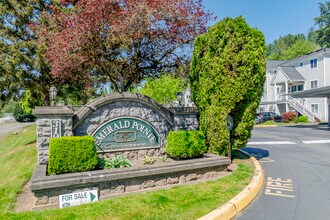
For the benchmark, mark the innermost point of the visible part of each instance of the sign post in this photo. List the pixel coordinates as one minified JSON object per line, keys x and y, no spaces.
{"x":229,"y":125}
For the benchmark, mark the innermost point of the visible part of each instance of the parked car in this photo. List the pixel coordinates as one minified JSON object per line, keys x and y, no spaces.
{"x":7,"y":117}
{"x":256,"y":120}
{"x":269,"y":116}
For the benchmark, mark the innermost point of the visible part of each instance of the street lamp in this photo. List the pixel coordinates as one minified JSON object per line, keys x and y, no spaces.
{"x":52,"y":94}
{"x":179,"y":96}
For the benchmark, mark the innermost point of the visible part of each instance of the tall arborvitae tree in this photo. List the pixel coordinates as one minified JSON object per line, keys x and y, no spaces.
{"x":22,"y":64}
{"x":227,"y":77}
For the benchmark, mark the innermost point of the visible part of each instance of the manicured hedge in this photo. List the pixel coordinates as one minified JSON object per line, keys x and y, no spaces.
{"x":303,"y":119}
{"x":71,"y":154}
{"x":185,"y":144}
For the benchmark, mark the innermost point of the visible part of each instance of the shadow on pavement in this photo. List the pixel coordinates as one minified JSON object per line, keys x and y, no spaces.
{"x":256,"y":152}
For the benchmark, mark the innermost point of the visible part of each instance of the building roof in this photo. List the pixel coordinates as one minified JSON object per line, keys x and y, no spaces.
{"x":289,"y":73}
{"x":312,"y":93}
{"x":270,"y":64}
{"x":324,"y":51}
{"x":292,"y":73}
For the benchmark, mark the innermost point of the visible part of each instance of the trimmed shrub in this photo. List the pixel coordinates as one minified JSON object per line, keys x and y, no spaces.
{"x":289,"y":116}
{"x":227,"y":76}
{"x":185,"y":144}
{"x":296,"y":120}
{"x":72,"y":154}
{"x":303,"y":119}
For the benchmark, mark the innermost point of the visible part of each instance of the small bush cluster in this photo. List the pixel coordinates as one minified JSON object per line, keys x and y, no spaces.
{"x":148,"y":160}
{"x":164,"y":158}
{"x":21,"y":116}
{"x":118,"y":161}
{"x":300,"y":119}
{"x":71,"y":154}
{"x":303,"y":119}
{"x":289,"y":116}
{"x":185,"y":144}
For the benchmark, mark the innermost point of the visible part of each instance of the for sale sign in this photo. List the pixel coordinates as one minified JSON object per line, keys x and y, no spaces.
{"x":78,"y":198}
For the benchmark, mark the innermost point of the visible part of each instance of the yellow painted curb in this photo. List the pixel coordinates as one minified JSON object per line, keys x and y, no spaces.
{"x":242,"y":200}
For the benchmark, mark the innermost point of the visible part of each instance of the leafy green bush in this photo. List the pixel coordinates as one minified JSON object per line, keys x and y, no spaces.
{"x":185,"y":144}
{"x":21,"y":116}
{"x":71,"y":154}
{"x":118,"y":161}
{"x":148,"y":160}
{"x":227,"y":77}
{"x":295,"y":120}
{"x":303,"y":119}
{"x":164,"y":158}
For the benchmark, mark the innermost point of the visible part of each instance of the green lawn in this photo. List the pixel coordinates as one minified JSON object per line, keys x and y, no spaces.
{"x":18,"y":159}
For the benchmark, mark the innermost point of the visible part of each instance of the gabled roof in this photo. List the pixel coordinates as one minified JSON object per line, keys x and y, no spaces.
{"x":292,"y":73}
{"x":289,"y":73}
{"x":270,"y":64}
{"x":324,"y":51}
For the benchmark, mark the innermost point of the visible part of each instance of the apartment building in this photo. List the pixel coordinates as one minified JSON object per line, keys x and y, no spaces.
{"x":285,"y":79}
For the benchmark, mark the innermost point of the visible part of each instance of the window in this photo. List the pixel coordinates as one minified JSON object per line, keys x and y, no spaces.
{"x":313,"y":63}
{"x":314,"y":84}
{"x":315,"y":108}
{"x":301,"y":64}
{"x":293,"y":88}
{"x":297,"y":88}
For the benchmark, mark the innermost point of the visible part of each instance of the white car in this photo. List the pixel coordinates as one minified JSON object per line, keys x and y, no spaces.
{"x":7,"y":117}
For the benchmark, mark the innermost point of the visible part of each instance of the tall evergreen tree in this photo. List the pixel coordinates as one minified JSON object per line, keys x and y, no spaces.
{"x":22,"y":64}
{"x":227,"y":77}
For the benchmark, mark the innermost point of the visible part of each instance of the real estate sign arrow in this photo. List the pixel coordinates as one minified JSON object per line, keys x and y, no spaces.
{"x":78,"y":198}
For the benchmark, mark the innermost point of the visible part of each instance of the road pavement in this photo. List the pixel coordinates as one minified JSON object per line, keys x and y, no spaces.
{"x":6,"y":128}
{"x":296,"y":162}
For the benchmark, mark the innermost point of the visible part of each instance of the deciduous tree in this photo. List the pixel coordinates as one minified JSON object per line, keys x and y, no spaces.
{"x":289,"y":47}
{"x":163,"y":89}
{"x":323,"y":22}
{"x":120,"y":41}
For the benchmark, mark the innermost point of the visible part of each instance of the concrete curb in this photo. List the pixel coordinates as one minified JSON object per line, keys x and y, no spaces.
{"x":242,"y":200}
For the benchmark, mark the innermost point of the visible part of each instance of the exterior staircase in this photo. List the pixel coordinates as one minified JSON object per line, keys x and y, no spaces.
{"x":302,"y":109}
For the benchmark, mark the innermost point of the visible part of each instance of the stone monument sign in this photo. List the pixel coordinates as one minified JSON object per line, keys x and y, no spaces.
{"x":127,"y":123}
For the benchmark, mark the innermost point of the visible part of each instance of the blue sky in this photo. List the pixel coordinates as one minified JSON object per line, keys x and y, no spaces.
{"x":273,"y":17}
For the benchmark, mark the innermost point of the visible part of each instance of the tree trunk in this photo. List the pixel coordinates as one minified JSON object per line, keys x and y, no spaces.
{"x":46,"y":101}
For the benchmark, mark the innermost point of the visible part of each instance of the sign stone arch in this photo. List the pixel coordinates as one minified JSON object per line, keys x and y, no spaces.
{"x":90,"y":118}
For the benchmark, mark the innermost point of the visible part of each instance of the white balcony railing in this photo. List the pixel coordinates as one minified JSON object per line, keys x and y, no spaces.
{"x":296,"y":104}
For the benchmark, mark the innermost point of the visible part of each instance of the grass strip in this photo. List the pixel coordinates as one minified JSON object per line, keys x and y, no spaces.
{"x":17,"y":161}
